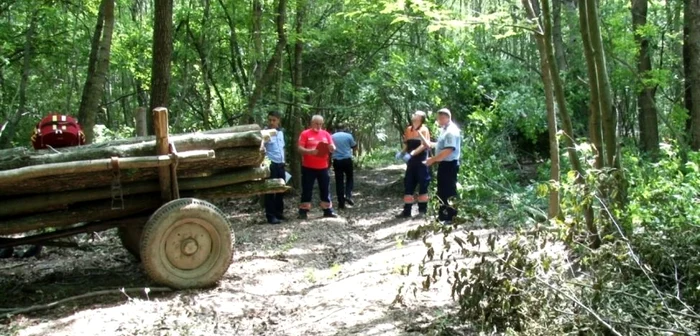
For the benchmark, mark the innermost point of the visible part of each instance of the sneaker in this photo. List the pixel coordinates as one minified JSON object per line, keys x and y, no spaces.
{"x":281,"y":217}
{"x":349,"y":201}
{"x":421,"y":215}
{"x":273,"y":220}
{"x":303,"y":215}
{"x":330,"y":215}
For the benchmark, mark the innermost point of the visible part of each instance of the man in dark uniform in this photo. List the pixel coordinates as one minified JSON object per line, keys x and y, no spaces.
{"x":448,"y":151}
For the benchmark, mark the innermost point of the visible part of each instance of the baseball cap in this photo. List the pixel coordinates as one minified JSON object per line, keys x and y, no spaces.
{"x":445,"y":111}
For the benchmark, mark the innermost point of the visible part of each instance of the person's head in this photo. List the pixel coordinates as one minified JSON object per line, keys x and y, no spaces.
{"x":444,"y":117}
{"x":341,"y":127}
{"x":418,"y":119}
{"x":273,"y":119}
{"x":316,"y":122}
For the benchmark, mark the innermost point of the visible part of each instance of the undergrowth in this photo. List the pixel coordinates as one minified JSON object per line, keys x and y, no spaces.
{"x":544,"y":279}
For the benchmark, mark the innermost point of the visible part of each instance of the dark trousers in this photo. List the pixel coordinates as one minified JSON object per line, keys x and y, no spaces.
{"x":308,"y":177}
{"x":344,"y":179}
{"x":447,"y":188}
{"x":417,"y":175}
{"x":274,"y":203}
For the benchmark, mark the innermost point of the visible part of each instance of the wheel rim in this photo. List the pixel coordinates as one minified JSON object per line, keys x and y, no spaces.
{"x":190,"y":247}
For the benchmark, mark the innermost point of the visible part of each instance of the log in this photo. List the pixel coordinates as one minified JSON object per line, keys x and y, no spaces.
{"x":49,"y":202}
{"x":86,"y":228}
{"x":241,"y":190}
{"x":23,"y":157}
{"x":160,"y":123}
{"x":102,"y":210}
{"x":89,"y":166}
{"x":88,"y":212}
{"x":141,"y":128}
{"x":225,"y":160}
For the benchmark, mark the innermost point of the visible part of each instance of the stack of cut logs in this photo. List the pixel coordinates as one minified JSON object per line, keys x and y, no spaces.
{"x":120,"y":179}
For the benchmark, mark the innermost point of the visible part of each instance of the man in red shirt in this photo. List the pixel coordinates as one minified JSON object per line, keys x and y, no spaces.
{"x":315,"y":146}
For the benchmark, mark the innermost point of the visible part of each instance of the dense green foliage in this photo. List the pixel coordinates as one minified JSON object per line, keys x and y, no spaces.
{"x":371,"y":64}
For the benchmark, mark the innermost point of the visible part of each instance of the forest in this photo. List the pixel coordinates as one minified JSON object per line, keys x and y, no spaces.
{"x":580,"y":121}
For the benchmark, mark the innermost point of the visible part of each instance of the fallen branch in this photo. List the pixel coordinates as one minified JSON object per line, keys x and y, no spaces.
{"x":16,"y":311}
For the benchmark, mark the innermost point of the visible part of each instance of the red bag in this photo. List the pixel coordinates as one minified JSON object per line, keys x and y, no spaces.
{"x":57,"y":130}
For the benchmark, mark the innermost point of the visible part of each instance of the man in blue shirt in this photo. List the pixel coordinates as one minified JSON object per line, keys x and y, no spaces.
{"x":274,"y":149}
{"x":342,"y":165}
{"x":448,"y":151}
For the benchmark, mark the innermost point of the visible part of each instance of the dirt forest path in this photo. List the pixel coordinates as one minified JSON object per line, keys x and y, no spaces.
{"x":313,"y":277}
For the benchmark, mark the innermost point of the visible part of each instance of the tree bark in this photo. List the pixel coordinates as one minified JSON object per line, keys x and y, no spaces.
{"x":272,"y":63}
{"x":23,"y":157}
{"x":226,"y":159}
{"x":554,"y":173}
{"x":648,"y":123}
{"x":557,"y":35}
{"x":608,"y":115}
{"x":297,"y":79}
{"x":102,"y":210}
{"x":560,"y":99}
{"x":8,"y":134}
{"x":691,"y":57}
{"x":97,"y":74}
{"x":162,"y":55}
{"x":48,"y":202}
{"x":595,"y":127}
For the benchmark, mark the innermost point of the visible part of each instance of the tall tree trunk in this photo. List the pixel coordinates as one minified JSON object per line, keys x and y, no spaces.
{"x":557,"y":35}
{"x":297,"y":77}
{"x":546,"y":75}
{"x":8,"y":134}
{"x":648,"y":123}
{"x":558,"y":88}
{"x":272,"y":63}
{"x":236,"y":61}
{"x":98,"y":68}
{"x":595,"y":127}
{"x":691,"y":57}
{"x":162,"y":53}
{"x":609,"y":116}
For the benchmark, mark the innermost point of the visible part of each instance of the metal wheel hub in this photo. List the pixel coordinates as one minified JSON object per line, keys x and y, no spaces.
{"x":189,"y":243}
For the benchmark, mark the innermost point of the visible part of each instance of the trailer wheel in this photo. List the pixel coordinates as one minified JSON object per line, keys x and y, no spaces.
{"x":130,"y":236}
{"x":187,"y":243}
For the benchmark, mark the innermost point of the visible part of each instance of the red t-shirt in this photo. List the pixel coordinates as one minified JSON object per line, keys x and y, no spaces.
{"x":309,"y":139}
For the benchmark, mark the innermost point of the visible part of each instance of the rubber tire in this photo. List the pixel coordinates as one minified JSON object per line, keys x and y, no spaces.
{"x":154,"y":242}
{"x":130,"y":237}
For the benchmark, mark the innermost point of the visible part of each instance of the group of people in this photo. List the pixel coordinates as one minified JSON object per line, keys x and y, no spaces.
{"x":318,"y":147}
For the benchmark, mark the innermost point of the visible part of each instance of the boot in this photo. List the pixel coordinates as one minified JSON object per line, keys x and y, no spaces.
{"x":328,"y":213}
{"x":303,"y":214}
{"x":406,"y":213}
{"x":422,"y":209}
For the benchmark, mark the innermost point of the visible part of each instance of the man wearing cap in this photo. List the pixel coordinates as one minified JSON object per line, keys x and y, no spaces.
{"x":315,"y":145}
{"x":345,"y":145}
{"x":274,"y":149}
{"x":448,"y":150}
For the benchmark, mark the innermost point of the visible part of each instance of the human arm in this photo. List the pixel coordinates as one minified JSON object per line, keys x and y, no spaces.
{"x":450,"y":144}
{"x":331,"y":144}
{"x":301,"y":147}
{"x":440,"y":156}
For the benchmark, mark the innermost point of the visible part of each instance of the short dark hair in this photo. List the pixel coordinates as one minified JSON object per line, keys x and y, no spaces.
{"x":340,"y":126}
{"x":275,"y":114}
